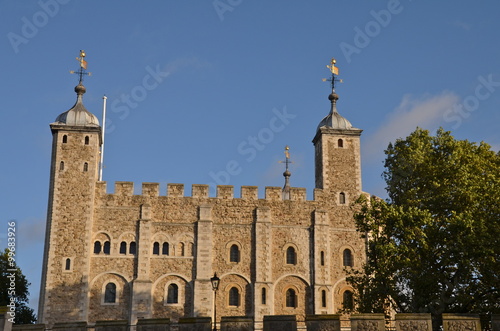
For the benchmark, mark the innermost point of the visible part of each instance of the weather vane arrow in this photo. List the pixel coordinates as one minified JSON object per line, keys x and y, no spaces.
{"x":335,"y":72}
{"x":83,"y":66}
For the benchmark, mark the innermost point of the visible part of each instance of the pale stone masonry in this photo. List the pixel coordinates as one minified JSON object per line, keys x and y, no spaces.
{"x":122,"y":256}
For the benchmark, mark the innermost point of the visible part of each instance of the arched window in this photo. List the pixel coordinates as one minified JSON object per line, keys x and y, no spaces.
{"x":291,"y":256}
{"x":348,"y":259}
{"x":342,"y":198}
{"x":323,"y":298}
{"x":97,"y":247}
{"x":107,"y":247}
{"x":67,"y":264}
{"x":61,"y":166}
{"x":156,"y":248}
{"x":348,"y":300}
{"x":65,"y":139}
{"x":340,"y":143}
{"x":191,"y":249}
{"x":123,"y":247}
{"x":133,"y":248}
{"x":234,"y":297}
{"x":322,"y":258}
{"x":264,"y":296}
{"x":164,"y":249}
{"x":173,"y":293}
{"x":110,"y":293}
{"x":87,"y":139}
{"x":85,"y":166}
{"x":234,"y":254}
{"x":181,"y":249}
{"x":291,"y":298}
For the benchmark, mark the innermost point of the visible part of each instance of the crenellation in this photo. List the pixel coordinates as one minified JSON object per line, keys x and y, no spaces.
{"x":250,"y":192}
{"x":298,"y":194}
{"x":273,"y":193}
{"x":225,"y":191}
{"x":199,"y":191}
{"x":124,"y":189}
{"x":150,"y":189}
{"x":175,"y":190}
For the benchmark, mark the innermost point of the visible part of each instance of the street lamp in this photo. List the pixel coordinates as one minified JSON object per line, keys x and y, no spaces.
{"x":215,"y":286}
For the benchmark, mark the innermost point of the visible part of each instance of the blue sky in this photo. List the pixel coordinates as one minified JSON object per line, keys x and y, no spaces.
{"x":195,"y":87}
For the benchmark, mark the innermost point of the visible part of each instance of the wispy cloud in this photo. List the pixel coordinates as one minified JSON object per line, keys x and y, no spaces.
{"x":463,"y":25}
{"x":426,"y":112}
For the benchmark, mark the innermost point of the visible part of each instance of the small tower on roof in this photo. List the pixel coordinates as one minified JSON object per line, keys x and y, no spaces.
{"x":337,"y":149}
{"x":286,"y":174}
{"x":76,"y":141}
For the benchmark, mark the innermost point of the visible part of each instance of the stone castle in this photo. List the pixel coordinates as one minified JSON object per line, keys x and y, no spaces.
{"x":122,"y":256}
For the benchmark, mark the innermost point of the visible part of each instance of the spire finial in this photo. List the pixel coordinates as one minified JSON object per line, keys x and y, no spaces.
{"x":335,"y":72}
{"x":286,"y":174}
{"x":83,"y":67}
{"x":333,"y":97}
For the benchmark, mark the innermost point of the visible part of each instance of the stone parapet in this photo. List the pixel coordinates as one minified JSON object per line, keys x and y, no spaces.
{"x":195,"y":324}
{"x":153,"y":324}
{"x":323,"y":322}
{"x":70,"y":326}
{"x":28,"y":327}
{"x":236,"y":323}
{"x":459,"y":322}
{"x":118,"y":325}
{"x":413,"y":322}
{"x":280,"y":322}
{"x":367,"y":322}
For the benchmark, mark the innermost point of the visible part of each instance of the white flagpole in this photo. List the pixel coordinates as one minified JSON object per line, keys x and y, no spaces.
{"x":103,"y":130}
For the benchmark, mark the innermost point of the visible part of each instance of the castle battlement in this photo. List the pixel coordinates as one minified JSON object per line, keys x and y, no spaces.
{"x":201,"y":191}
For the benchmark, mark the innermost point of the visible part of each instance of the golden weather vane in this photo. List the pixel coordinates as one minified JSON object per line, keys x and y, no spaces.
{"x":287,"y":158}
{"x":335,"y":72}
{"x":83,"y":66}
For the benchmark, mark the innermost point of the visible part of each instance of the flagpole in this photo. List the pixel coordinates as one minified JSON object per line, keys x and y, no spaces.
{"x":104,"y":98}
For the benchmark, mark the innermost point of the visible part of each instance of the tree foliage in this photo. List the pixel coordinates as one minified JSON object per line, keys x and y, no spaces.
{"x":434,"y":245}
{"x":14,"y":284}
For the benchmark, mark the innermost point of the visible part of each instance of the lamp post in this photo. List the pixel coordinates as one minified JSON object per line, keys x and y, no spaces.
{"x":215,"y":286}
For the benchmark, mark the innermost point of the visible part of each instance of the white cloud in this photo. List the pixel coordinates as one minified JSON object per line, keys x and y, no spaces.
{"x":425,"y":112}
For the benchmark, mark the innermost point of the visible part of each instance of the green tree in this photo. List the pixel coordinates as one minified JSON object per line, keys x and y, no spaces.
{"x":434,"y":245}
{"x":13,"y":284}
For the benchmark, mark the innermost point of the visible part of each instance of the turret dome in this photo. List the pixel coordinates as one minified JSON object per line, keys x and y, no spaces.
{"x":78,"y":115}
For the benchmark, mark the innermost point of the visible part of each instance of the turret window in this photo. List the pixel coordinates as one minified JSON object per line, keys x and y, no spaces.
{"x":65,"y":139}
{"x":133,"y":248}
{"x":173,"y":293}
{"x":340,"y":143}
{"x":291,"y":298}
{"x":156,"y":248}
{"x":323,"y":298}
{"x":348,"y":260}
{"x":348,"y":300}
{"x":107,"y":248}
{"x":87,"y":140}
{"x":342,"y":198}
{"x":322,"y":258}
{"x":263,"y":296}
{"x":234,"y":297}
{"x":97,"y":247}
{"x":61,"y":166}
{"x":165,"y":249}
{"x":67,"y":264}
{"x":85,"y":167}
{"x":234,"y":254}
{"x":291,"y":255}
{"x":123,"y":247}
{"x":110,"y":293}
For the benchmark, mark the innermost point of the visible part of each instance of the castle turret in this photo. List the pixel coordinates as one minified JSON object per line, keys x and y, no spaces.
{"x":76,"y":145}
{"x":337,"y":152}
